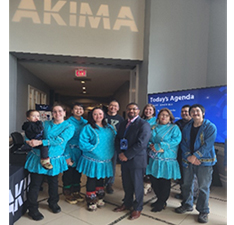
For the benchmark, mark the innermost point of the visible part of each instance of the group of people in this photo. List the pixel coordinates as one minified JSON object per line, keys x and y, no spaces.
{"x":152,"y":150}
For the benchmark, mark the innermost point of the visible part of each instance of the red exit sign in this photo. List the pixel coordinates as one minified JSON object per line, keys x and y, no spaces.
{"x":81,"y":73}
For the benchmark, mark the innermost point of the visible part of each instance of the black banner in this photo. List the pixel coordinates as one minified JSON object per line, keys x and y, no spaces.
{"x":18,"y":185}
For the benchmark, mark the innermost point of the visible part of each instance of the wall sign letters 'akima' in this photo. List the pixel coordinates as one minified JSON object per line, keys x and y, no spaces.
{"x":73,"y":18}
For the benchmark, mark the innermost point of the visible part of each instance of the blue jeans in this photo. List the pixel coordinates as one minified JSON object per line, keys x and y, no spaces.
{"x":204,"y":177}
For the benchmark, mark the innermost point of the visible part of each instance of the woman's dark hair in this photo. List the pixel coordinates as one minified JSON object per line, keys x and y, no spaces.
{"x":92,"y":122}
{"x":172,"y":118}
{"x":143,"y":112}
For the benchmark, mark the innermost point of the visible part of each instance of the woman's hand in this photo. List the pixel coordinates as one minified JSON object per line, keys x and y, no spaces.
{"x":154,"y":150}
{"x":34,"y":143}
{"x":160,"y":150}
{"x":69,"y":162}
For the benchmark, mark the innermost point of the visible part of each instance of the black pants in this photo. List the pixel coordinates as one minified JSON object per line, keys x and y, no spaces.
{"x":162,"y":188}
{"x":71,"y":179}
{"x":92,"y":183}
{"x":133,"y":184}
{"x":34,"y":187}
{"x":44,"y":151}
{"x":179,"y":159}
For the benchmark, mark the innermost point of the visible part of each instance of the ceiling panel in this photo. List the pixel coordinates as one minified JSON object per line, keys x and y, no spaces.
{"x":105,"y":76}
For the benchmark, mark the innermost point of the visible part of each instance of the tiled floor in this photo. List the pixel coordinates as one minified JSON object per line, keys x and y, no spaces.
{"x":77,"y":214}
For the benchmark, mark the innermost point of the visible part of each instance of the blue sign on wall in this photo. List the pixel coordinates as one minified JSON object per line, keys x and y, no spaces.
{"x":214,"y":99}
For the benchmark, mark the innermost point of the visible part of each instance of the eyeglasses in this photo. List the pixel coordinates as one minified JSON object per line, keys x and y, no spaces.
{"x":134,"y":109}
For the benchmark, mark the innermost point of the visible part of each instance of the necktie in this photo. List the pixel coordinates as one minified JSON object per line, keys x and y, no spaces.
{"x":128,"y":123}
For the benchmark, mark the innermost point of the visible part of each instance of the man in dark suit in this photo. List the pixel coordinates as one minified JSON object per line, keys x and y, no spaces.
{"x":131,"y":143}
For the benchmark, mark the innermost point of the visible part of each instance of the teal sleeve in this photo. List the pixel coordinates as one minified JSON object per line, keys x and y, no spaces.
{"x":88,"y":139}
{"x":64,"y":136}
{"x":172,"y":142}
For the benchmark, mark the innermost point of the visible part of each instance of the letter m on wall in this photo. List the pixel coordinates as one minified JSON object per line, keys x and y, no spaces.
{"x":85,"y":12}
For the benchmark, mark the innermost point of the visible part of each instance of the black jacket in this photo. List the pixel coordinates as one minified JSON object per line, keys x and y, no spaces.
{"x":33,"y":130}
{"x":138,"y":135}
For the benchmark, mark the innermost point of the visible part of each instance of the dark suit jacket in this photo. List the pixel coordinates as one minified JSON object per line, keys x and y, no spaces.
{"x":138,"y":135}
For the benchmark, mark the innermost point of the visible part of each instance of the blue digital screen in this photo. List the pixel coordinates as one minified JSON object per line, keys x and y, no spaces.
{"x":214,"y":100}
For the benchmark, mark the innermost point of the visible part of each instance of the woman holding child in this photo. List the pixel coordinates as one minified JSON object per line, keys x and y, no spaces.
{"x":57,"y":133}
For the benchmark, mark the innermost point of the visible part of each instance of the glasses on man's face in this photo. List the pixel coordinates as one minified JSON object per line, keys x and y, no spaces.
{"x":132,"y":109}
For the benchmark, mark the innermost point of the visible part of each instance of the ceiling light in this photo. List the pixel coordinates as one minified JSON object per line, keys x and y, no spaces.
{"x":84,"y":87}
{"x":82,"y":82}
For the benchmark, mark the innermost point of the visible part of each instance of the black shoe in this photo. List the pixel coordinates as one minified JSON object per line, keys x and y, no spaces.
{"x":153,"y":204}
{"x":203,"y":218}
{"x":178,"y":196}
{"x":109,"y":189}
{"x":55,"y":208}
{"x":184,"y":209}
{"x":157,"y":207}
{"x":36,"y":215}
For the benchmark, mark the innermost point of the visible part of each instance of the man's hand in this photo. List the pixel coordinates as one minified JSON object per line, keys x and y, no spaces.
{"x":122,"y":157}
{"x":197,"y":162}
{"x":194,"y":160}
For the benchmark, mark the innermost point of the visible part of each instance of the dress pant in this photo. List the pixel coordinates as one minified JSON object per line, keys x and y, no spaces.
{"x":162,"y":188}
{"x":133,"y":184}
{"x":71,"y":179}
{"x":34,"y":187}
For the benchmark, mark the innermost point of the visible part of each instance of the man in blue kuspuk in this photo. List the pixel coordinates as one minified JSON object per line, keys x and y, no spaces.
{"x":198,"y":157}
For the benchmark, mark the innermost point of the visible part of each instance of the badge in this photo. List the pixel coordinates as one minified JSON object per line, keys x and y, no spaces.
{"x":123,"y":144}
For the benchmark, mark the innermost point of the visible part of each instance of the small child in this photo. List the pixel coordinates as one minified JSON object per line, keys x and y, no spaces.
{"x":34,"y":130}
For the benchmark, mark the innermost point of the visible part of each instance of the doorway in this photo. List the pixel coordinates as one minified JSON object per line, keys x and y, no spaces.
{"x":106,"y":79}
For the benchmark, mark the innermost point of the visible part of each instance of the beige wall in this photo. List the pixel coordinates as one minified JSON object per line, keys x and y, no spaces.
{"x":104,"y":29}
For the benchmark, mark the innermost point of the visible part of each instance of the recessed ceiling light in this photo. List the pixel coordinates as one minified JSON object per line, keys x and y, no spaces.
{"x":84,"y":87}
{"x":83,"y":82}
